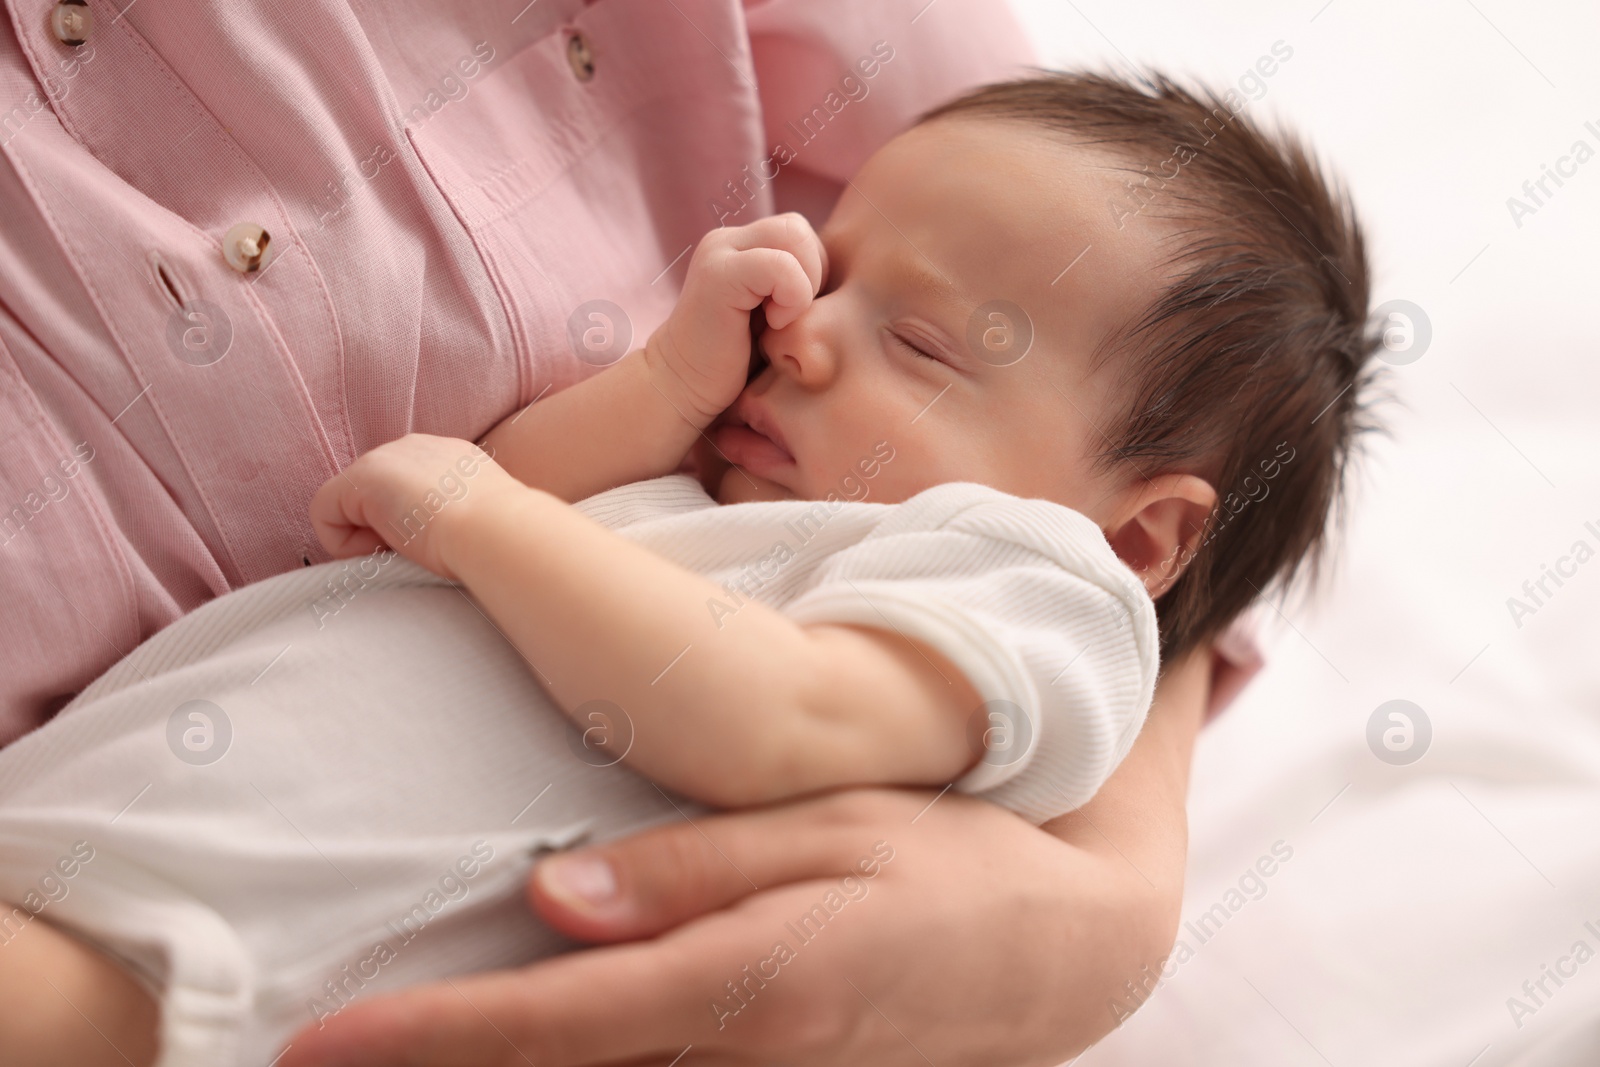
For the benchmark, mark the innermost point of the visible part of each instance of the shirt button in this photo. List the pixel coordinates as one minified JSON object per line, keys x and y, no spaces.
{"x":579,"y":57}
{"x":245,"y":247}
{"x":71,"y":20}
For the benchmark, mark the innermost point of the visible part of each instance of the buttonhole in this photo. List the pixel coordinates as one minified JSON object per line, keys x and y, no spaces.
{"x":167,"y":277}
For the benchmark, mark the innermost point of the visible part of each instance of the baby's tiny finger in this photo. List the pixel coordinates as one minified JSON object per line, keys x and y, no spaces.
{"x":804,"y":244}
{"x":337,"y":518}
{"x":791,"y":233}
{"x":791,"y":294}
{"x":356,"y":541}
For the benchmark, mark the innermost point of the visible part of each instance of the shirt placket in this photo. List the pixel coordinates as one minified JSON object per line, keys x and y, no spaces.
{"x":189,"y":258}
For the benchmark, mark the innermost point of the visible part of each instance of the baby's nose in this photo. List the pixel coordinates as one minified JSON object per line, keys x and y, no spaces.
{"x":801,"y":351}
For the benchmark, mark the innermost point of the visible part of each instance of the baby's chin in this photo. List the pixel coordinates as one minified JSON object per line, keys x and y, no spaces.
{"x":739,"y":486}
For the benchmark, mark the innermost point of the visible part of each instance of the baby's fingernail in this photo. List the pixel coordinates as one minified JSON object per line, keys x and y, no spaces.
{"x":584,"y":881}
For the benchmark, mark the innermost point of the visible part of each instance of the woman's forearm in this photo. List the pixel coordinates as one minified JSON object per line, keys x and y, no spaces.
{"x":1134,"y":833}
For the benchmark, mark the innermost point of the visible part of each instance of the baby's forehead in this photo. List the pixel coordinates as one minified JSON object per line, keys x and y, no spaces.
{"x":1003,"y":211}
{"x":1009,"y":153}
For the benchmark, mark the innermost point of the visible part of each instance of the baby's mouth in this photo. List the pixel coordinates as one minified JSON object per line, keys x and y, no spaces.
{"x":748,"y":437}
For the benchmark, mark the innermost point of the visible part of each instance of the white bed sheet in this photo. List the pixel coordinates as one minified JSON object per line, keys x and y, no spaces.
{"x":1418,"y":899}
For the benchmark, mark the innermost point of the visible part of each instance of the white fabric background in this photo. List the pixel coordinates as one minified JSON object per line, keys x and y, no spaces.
{"x":1421,"y":898}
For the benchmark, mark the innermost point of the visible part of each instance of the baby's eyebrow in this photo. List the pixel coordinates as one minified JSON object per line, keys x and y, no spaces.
{"x":907,"y":266}
{"x":926,"y":280}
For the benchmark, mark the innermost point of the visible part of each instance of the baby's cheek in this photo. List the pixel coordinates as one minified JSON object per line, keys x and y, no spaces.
{"x":896,"y":480}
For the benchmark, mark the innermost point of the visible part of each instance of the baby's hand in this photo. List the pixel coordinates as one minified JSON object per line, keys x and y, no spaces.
{"x":701,"y":354}
{"x":404,"y":494}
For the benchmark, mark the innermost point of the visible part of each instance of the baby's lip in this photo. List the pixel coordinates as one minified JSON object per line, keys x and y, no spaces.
{"x":745,"y":412}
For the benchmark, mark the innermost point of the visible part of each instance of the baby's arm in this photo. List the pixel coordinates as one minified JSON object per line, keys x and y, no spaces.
{"x":64,"y":1003}
{"x":638,"y":418}
{"x":757,"y":709}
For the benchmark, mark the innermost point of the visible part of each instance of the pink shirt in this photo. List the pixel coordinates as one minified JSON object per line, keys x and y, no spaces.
{"x":444,"y":183}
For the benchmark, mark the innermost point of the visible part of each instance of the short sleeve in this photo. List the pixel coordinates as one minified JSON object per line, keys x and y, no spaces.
{"x":633,"y":502}
{"x":1027,"y":599}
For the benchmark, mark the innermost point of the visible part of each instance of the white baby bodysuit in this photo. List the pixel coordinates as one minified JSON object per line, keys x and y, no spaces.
{"x":1054,"y":632}
{"x":332,"y":783}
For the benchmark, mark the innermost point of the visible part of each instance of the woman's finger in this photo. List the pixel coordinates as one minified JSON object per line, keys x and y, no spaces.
{"x":644,"y":1002}
{"x":693,"y":1057}
{"x":641,"y":885}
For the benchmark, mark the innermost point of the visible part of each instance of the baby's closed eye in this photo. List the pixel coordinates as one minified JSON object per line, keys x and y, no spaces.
{"x":907,"y":344}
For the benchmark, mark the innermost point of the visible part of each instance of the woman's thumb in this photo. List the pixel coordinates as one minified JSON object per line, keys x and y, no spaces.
{"x":635,"y":887}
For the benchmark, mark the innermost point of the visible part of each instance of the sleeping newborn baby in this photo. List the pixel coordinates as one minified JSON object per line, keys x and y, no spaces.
{"x":1069,"y":376}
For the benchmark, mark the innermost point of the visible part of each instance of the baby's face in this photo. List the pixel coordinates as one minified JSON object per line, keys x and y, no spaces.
{"x":905,"y":352}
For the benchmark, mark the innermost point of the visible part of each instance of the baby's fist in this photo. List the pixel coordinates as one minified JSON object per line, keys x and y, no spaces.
{"x":404,"y":494}
{"x":704,"y":346}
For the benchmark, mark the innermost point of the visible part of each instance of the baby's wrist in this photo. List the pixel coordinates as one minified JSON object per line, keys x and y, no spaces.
{"x":468,"y":529}
{"x":661,"y":367}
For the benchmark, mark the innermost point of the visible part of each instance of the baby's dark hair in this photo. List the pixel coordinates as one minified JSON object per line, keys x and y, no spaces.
{"x":1251,"y":366}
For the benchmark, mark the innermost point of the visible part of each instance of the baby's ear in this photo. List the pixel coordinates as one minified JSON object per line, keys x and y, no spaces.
{"x":1158,"y":526}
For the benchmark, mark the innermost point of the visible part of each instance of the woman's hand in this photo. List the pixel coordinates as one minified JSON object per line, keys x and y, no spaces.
{"x":701,"y":354}
{"x":406,"y":495}
{"x":977,"y":940}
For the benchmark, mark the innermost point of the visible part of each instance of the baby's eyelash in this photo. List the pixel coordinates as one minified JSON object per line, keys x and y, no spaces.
{"x":913,"y":347}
